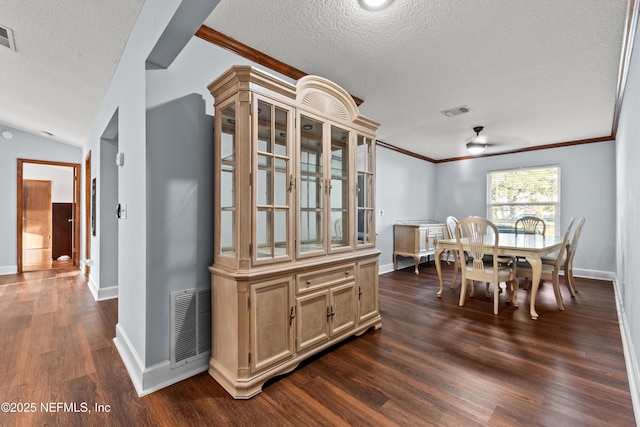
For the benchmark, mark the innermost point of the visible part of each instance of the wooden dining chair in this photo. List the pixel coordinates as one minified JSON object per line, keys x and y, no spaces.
{"x":530,"y":225}
{"x":482,"y":241}
{"x":571,"y":251}
{"x":549,"y":272}
{"x":551,"y":259}
{"x":451,"y":223}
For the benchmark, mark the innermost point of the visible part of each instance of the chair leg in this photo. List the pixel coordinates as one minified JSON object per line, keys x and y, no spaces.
{"x":556,"y":291}
{"x":568,"y":272}
{"x":567,"y":278}
{"x":514,"y":292}
{"x":463,"y":291}
{"x":496,"y":297}
{"x":486,"y":289}
{"x":568,"y":283}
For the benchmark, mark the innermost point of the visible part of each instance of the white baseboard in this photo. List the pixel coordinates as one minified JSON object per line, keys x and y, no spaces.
{"x":130,"y":358}
{"x":594,"y":274}
{"x":101,"y":294}
{"x":385,"y":268}
{"x":629,"y":353}
{"x":8,"y":269}
{"x":160,"y":375}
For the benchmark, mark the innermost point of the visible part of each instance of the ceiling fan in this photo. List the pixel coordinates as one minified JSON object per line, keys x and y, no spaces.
{"x":478,"y":143}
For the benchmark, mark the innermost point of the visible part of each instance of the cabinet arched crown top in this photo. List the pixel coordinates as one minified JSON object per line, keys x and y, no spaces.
{"x":326,"y":97}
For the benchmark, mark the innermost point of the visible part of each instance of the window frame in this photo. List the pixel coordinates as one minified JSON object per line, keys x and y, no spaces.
{"x":557,"y":229}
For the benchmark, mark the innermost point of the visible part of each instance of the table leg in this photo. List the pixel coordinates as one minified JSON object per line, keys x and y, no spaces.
{"x":437,"y":256}
{"x":536,"y":269}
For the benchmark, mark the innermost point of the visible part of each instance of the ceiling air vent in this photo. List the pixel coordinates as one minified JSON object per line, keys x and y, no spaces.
{"x":6,"y":38}
{"x":456,"y":111}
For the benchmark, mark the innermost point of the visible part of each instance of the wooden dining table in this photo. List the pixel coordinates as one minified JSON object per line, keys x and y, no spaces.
{"x":529,"y":246}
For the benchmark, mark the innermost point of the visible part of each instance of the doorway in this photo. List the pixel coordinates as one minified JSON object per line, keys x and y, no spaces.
{"x":48,"y":215}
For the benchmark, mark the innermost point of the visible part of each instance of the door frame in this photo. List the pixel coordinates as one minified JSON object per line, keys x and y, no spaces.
{"x":87,"y":211}
{"x":76,"y":207}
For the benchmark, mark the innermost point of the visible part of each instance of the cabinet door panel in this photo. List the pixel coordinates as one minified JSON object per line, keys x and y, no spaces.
{"x":343,"y":308}
{"x":367,"y":290}
{"x":313,"y":322}
{"x":271,"y":306}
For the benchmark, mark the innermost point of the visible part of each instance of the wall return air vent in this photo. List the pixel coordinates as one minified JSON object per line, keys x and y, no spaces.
{"x":6,"y":38}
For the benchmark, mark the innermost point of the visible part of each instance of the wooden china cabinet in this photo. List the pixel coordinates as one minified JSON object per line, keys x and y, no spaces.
{"x":295,"y":268}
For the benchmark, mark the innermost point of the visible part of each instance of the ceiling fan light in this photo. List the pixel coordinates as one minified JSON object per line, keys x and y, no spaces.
{"x":374,"y":4}
{"x":476,"y":147}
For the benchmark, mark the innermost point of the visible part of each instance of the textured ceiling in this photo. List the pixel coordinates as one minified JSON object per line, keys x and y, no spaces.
{"x":532,"y":72}
{"x":66,"y":54}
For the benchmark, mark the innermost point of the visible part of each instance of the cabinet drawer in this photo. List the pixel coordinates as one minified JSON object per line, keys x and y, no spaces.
{"x":324,"y":278}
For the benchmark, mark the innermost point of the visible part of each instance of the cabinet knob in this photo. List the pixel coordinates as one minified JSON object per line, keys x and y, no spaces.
{"x":308,"y":282}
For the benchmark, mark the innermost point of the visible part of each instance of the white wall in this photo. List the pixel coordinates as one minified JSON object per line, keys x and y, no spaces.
{"x":587,"y":190}
{"x":627,"y":218}
{"x":61,"y":178}
{"x":23,"y":146}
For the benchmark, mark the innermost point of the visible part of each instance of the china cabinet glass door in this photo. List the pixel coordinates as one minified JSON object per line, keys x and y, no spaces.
{"x":338,"y":188}
{"x":227,"y":155}
{"x":364,"y":191}
{"x":273,"y":181}
{"x":310,"y":226}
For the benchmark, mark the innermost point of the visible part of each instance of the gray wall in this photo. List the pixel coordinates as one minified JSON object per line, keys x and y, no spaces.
{"x":587,"y":190}
{"x":408,"y":188}
{"x":180,"y":207}
{"x":405,"y":190}
{"x":27,"y":146}
{"x":107,"y":222}
{"x":627,"y":218}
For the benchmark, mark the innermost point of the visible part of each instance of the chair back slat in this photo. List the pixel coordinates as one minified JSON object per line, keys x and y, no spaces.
{"x":481,"y":236}
{"x":530,"y":225}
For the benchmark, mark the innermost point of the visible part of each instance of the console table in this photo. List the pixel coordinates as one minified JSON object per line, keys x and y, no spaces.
{"x":416,"y":239}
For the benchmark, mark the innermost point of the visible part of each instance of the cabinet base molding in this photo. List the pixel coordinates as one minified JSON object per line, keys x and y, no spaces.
{"x":246,"y":388}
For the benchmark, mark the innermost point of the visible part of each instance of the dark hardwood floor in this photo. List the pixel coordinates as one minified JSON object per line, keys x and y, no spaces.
{"x":432,"y":363}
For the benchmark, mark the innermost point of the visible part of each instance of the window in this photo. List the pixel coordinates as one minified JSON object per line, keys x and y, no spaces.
{"x":514,"y":193}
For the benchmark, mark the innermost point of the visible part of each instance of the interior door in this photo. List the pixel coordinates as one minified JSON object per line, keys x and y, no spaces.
{"x":36,"y":224}
{"x":62,"y":231}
